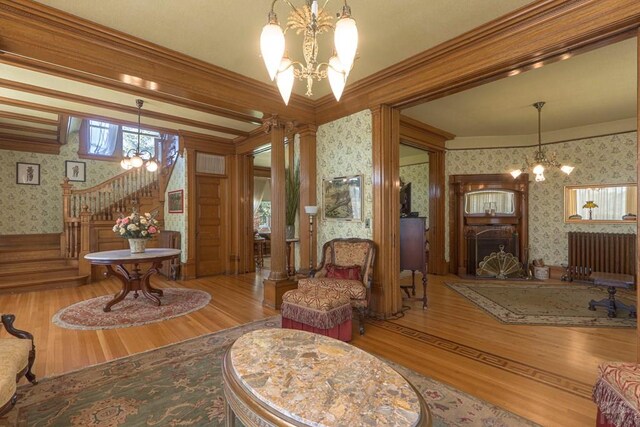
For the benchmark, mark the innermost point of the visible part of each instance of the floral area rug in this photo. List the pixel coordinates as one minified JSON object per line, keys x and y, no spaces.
{"x":181,"y":384}
{"x":130,"y":311}
{"x":552,"y":305}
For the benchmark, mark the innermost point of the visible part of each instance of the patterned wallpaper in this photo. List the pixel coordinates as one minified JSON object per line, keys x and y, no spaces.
{"x":178,"y":221}
{"x":344,"y":147}
{"x":601,"y":160}
{"x":36,"y":209}
{"x":418,"y":176}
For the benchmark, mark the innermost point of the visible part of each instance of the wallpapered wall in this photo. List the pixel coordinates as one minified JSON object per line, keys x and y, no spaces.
{"x":418,"y":176}
{"x":36,"y":209}
{"x":604,"y":160}
{"x":178,"y":221}
{"x":344,"y":147}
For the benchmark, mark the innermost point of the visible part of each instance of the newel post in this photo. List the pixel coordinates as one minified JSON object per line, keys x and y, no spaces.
{"x":66,"y":203}
{"x":84,"y":267}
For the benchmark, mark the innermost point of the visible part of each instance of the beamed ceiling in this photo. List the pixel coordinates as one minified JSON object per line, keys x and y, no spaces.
{"x":43,"y":78}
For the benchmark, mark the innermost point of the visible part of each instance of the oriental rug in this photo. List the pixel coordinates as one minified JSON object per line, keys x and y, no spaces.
{"x":130,"y":311}
{"x":520,"y":303}
{"x":181,"y":384}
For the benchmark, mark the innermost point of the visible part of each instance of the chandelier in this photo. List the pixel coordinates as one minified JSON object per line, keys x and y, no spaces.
{"x":136,"y":158}
{"x":311,"y":21}
{"x":540,"y":159}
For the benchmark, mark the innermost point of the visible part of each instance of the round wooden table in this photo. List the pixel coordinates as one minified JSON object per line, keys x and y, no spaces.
{"x":132,"y":280}
{"x":285,"y":377}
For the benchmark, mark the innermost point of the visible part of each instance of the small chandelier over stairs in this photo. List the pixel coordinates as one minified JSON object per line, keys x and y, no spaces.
{"x":136,"y":158}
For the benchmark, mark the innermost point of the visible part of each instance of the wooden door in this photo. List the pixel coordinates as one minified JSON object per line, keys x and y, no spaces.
{"x":210,"y":226}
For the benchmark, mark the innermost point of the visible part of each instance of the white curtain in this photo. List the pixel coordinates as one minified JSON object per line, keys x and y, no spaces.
{"x":478,"y":201}
{"x":103,"y":139}
{"x":612,"y":202}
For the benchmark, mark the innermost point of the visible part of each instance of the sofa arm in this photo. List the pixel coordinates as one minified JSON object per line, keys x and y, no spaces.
{"x":7,"y":321}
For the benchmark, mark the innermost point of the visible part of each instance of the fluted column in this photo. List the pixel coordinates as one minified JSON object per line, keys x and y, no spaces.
{"x":278,"y":203}
{"x":307,"y":194}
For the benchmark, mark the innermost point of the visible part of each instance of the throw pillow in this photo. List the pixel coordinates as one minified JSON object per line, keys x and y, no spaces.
{"x":351,"y":272}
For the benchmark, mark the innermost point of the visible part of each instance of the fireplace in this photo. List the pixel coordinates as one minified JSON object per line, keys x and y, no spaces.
{"x":482,"y":241}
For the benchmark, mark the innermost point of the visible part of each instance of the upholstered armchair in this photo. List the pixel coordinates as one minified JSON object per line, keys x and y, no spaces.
{"x":347,"y":266}
{"x":16,"y":359}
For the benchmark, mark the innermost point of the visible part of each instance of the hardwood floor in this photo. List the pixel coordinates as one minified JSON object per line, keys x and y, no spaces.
{"x":541,"y":373}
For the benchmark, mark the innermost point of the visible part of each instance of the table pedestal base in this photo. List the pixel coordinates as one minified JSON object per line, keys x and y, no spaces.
{"x":134,"y":281}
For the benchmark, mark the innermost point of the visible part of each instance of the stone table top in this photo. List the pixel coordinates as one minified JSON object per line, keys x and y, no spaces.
{"x":124,"y":256}
{"x":320,"y":381}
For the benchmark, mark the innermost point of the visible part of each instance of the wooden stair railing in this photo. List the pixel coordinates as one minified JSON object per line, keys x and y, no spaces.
{"x":103,"y":202}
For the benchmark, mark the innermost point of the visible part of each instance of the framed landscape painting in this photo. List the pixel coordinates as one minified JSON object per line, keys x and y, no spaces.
{"x":342,"y":198}
{"x":27,"y":173}
{"x":175,"y":200}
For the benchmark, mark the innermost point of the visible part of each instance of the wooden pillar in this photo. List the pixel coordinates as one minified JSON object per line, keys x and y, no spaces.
{"x":386,"y":296}
{"x":307,"y":194}
{"x":278,"y":282}
{"x":84,"y":266}
{"x":189,"y":270}
{"x":638,"y":187}
{"x":437,"y":208}
{"x":66,"y":214}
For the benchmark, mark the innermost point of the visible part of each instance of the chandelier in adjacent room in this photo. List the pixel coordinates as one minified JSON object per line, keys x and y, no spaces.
{"x":136,"y":158}
{"x":311,"y":21}
{"x":540,"y":160}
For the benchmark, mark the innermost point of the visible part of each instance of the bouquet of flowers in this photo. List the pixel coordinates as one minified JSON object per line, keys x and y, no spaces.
{"x":137,"y":226}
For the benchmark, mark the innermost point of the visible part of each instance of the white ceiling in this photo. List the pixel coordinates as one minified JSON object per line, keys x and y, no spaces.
{"x":594,"y":87}
{"x":389,"y":30}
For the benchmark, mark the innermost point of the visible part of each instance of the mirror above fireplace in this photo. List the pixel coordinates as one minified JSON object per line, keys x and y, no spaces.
{"x":489,"y":202}
{"x":611,"y":203}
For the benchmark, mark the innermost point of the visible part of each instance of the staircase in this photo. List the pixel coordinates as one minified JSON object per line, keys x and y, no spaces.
{"x":35,"y":261}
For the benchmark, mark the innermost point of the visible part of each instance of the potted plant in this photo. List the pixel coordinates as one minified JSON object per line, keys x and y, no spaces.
{"x":292,"y":198}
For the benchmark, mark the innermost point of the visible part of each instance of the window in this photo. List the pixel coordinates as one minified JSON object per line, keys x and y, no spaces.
{"x":108,"y":141}
{"x":262,"y":217}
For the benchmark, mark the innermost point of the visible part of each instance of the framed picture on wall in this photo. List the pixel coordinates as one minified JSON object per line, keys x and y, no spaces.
{"x":27,"y":173}
{"x":175,"y":201}
{"x":342,"y":198}
{"x":75,"y":171}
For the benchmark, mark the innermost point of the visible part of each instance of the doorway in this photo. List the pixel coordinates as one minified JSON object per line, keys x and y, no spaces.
{"x":211,"y":237}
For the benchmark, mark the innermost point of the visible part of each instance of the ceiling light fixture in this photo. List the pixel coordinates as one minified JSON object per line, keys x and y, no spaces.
{"x":136,"y":158}
{"x":311,"y":21}
{"x":540,"y":160}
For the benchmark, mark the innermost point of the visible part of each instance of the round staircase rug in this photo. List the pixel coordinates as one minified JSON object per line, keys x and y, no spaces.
{"x":130,"y":312}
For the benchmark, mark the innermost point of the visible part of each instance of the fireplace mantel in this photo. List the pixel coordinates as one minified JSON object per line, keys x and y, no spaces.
{"x":462,"y":224}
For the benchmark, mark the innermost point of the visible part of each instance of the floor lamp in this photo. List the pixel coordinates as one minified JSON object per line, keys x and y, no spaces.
{"x":311,"y":211}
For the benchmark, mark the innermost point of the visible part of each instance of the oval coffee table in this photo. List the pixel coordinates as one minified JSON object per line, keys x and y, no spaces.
{"x":285,"y":377}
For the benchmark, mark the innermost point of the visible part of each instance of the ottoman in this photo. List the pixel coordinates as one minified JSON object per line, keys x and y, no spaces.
{"x":323,"y":311}
{"x":617,"y":394}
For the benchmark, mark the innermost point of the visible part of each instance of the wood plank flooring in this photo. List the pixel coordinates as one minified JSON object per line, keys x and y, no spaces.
{"x":542,"y":373}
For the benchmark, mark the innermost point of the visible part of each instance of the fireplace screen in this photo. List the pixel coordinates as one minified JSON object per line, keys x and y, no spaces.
{"x":482,"y":242}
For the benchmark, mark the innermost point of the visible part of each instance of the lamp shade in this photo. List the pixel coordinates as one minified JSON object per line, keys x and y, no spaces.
{"x":126,"y":163}
{"x":272,"y":47}
{"x":136,"y":161}
{"x":567,"y":169}
{"x":285,"y":79}
{"x":337,"y":77}
{"x":152,"y":165}
{"x":516,"y":173}
{"x":311,"y":210}
{"x":345,"y":38}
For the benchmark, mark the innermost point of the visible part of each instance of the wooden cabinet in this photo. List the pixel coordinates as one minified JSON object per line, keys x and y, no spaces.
{"x":414,"y":253}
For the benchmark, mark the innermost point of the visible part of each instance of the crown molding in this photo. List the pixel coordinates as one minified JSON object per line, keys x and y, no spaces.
{"x":55,"y":42}
{"x":526,"y":37}
{"x":206,"y":143}
{"x":28,"y":118}
{"x":9,"y":142}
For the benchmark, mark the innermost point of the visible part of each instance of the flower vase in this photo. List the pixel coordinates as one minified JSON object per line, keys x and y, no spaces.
{"x":137,"y":246}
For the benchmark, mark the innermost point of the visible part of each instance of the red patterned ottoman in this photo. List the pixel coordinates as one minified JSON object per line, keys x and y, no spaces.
{"x":323,"y":311}
{"x":617,"y":394}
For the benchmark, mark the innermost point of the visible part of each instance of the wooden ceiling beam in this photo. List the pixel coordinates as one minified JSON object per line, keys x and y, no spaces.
{"x":59,"y":43}
{"x":7,"y":142}
{"x":523,"y":39}
{"x":30,"y":129}
{"x":23,"y":87}
{"x":28,"y":118}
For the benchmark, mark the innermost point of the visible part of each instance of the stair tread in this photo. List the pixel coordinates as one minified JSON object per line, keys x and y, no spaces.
{"x":30,"y":248}
{"x":34,"y":268}
{"x":40,"y":281}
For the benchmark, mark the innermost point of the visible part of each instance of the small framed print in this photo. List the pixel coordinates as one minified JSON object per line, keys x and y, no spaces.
{"x":342,"y":198}
{"x":75,"y":171}
{"x":175,"y":199}
{"x":27,"y":173}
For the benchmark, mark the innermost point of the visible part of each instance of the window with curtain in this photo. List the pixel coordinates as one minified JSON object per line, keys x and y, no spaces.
{"x":108,"y":141}
{"x":614,"y":202}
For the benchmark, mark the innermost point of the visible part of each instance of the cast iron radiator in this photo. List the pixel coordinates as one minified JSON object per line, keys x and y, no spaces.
{"x":605,"y":252}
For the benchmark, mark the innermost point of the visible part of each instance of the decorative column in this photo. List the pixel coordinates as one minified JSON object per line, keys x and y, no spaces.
{"x":308,"y":194}
{"x":386,"y":294}
{"x":84,"y":266}
{"x":277,"y":283}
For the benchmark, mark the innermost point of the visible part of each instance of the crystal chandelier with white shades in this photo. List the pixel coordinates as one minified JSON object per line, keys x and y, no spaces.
{"x":311,"y":21}
{"x":540,"y":159}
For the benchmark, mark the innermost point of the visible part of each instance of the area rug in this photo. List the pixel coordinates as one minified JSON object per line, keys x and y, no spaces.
{"x":130,"y":311}
{"x":181,"y":384}
{"x":539,"y":304}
